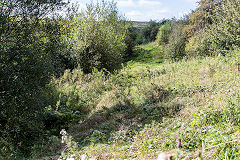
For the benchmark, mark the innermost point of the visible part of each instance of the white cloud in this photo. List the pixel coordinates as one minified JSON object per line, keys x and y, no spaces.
{"x":146,"y":16}
{"x":139,"y":3}
{"x":148,"y":3}
{"x":143,"y":10}
{"x":81,"y":6}
{"x":126,"y":3}
{"x":134,"y":13}
{"x":162,"y":11}
{"x":182,"y":14}
{"x":192,"y":1}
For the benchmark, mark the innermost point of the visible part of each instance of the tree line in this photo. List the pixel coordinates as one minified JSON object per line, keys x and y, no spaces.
{"x":212,"y":29}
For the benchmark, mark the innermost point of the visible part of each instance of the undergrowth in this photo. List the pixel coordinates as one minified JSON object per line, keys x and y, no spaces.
{"x":142,"y":110}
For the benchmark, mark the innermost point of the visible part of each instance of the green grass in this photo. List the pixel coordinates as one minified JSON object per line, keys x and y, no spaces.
{"x":144,"y":108}
{"x":149,"y":54}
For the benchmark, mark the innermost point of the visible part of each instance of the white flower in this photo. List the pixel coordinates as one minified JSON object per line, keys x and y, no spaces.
{"x":83,"y":157}
{"x":64,"y":135}
{"x":63,"y":132}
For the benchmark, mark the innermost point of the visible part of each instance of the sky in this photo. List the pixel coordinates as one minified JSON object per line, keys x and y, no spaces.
{"x":146,"y":10}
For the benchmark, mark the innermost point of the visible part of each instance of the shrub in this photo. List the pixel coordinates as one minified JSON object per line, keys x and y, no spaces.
{"x":224,"y":33}
{"x":198,"y":45}
{"x":202,"y":16}
{"x":235,"y":57}
{"x":163,"y":34}
{"x":99,"y":37}
{"x":130,"y":41}
{"x":149,"y":32}
{"x":139,"y":37}
{"x":176,"y":47}
{"x":199,"y":40}
{"x":29,"y":51}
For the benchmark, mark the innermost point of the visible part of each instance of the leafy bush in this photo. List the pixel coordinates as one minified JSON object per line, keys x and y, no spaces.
{"x":99,"y":37}
{"x":139,"y":37}
{"x":199,"y":39}
{"x":163,"y":34}
{"x":198,"y":45}
{"x":29,"y":55}
{"x":130,"y":41}
{"x":224,"y":33}
{"x":202,"y":16}
{"x":177,"y":41}
{"x":150,"y":31}
{"x":235,"y":55}
{"x":219,"y":32}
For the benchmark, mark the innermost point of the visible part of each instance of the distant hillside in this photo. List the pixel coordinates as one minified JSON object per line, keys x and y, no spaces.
{"x":140,"y":25}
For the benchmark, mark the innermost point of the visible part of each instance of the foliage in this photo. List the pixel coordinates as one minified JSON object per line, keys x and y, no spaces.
{"x":224,"y":33}
{"x":149,"y":53}
{"x":135,"y":111}
{"x":99,"y":37}
{"x":139,"y":37}
{"x":30,"y":51}
{"x":150,"y":32}
{"x":197,"y":33}
{"x":217,"y":31}
{"x":235,"y":55}
{"x":201,"y":17}
{"x":198,"y":45}
{"x":177,"y":41}
{"x":80,"y":95}
{"x":163,"y":34}
{"x":70,"y":148}
{"x":144,"y":109}
{"x":130,"y":41}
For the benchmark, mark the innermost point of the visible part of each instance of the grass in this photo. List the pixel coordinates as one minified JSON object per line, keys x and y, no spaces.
{"x":149,"y":55}
{"x":143,"y":109}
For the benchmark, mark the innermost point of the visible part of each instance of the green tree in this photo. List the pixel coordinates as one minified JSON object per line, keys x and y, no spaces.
{"x":202,"y":16}
{"x":220,"y":34}
{"x":29,"y":55}
{"x":224,"y":32}
{"x":130,"y":41}
{"x":163,"y":34}
{"x":175,"y":49}
{"x":199,"y":44}
{"x":99,"y":35}
{"x":150,"y":32}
